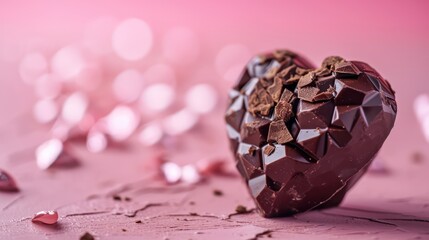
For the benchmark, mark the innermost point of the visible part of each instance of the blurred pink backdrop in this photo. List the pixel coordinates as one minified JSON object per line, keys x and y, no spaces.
{"x":392,"y":36}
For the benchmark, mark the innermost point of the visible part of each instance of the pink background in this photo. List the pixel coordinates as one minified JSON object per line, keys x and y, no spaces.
{"x":392,"y":36}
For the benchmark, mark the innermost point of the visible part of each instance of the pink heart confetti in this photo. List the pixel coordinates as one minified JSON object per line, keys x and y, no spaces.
{"x":46,"y":217}
{"x":7,"y":183}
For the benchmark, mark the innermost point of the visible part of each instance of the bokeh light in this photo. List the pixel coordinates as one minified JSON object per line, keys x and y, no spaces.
{"x":132,"y":39}
{"x":128,"y":85}
{"x":156,"y":97}
{"x":68,"y":62}
{"x":201,"y":98}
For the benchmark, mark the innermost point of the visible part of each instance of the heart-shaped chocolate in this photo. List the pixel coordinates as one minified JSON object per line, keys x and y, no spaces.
{"x":302,"y":136}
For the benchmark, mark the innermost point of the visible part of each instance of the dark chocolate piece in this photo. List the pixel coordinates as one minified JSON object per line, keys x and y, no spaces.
{"x":303,"y":136}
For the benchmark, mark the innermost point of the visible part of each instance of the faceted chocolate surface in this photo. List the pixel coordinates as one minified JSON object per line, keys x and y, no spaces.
{"x":302,"y":136}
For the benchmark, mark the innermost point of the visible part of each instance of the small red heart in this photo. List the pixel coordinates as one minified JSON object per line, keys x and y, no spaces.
{"x":46,"y":217}
{"x":302,"y":136}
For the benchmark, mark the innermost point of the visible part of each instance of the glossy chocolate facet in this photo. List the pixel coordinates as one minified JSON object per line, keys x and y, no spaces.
{"x":302,"y":136}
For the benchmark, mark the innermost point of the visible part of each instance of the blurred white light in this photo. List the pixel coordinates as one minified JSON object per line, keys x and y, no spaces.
{"x":421,"y":109}
{"x":201,"y":98}
{"x":231,"y":58}
{"x":48,"y":86}
{"x":181,"y":45}
{"x":121,"y":122}
{"x":68,"y":62}
{"x":32,"y":66}
{"x":190,"y":174}
{"x":96,"y":141}
{"x":151,"y":134}
{"x":171,"y":171}
{"x":48,"y":152}
{"x":128,"y":85}
{"x":160,"y":73}
{"x":156,"y":97}
{"x":179,"y":122}
{"x":45,"y":111}
{"x":74,"y":108}
{"x":132,"y":39}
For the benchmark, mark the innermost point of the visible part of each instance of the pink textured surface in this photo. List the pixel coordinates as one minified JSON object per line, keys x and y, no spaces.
{"x":393,"y":38}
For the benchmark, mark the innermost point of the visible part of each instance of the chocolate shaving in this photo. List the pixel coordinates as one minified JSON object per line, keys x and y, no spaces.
{"x":279,"y":133}
{"x":260,"y":102}
{"x":275,"y":90}
{"x":269,"y":150}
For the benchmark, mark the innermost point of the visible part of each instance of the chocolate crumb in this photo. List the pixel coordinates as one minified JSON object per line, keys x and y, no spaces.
{"x":87,"y":236}
{"x":139,"y":221}
{"x":279,"y":133}
{"x":128,"y":199}
{"x":124,"y":230}
{"x":269,"y":150}
{"x":217,"y":192}
{"x":191,"y":203}
{"x":252,"y":150}
{"x":241,"y":209}
{"x":193,"y":214}
{"x":117,"y":198}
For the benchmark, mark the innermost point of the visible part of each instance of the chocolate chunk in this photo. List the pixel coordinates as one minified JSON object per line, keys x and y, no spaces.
{"x":308,"y":93}
{"x":279,"y":133}
{"x":307,"y":79}
{"x":302,"y":138}
{"x":286,"y":73}
{"x":283,"y":111}
{"x":275,"y":90}
{"x":346,"y":69}
{"x":330,"y":62}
